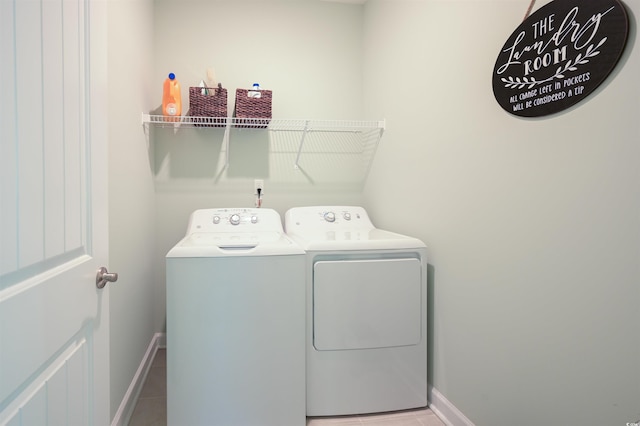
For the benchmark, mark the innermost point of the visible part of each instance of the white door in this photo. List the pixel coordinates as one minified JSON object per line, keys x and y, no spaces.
{"x":54,"y":349}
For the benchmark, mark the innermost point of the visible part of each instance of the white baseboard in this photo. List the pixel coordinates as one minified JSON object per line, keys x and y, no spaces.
{"x":125,"y":410}
{"x":445,"y":410}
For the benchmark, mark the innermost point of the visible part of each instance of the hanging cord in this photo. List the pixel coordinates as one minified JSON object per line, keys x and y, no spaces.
{"x":533,"y":2}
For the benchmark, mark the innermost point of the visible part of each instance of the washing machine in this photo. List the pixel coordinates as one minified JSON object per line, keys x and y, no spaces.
{"x":366,"y":313}
{"x":235,"y":322}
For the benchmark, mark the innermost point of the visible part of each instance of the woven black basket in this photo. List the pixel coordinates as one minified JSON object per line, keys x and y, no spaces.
{"x":252,"y":112}
{"x":208,"y":109}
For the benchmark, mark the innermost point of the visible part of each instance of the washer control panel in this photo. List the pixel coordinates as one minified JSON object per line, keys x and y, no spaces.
{"x":235,"y":220}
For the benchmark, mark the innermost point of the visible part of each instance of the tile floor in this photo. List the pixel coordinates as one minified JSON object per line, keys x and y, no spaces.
{"x":151,"y":408}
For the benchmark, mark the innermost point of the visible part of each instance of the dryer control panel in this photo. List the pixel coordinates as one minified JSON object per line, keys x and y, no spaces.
{"x":234,"y":220}
{"x":328,"y":217}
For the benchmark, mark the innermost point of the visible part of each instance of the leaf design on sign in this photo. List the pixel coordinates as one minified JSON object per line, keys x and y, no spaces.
{"x":516,"y":83}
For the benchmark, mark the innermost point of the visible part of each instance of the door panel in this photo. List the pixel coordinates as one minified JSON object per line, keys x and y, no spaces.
{"x":59,"y":394}
{"x":8,"y":149}
{"x":366,"y":304}
{"x":53,"y":227}
{"x":44,"y":143}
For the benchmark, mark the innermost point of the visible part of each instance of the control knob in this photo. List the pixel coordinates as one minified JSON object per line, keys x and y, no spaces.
{"x":330,"y":216}
{"x":234,"y":219}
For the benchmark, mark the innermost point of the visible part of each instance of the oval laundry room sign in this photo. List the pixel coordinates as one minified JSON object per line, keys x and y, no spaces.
{"x":559,"y":55}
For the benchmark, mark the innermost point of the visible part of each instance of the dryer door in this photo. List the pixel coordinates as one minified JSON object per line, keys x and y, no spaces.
{"x":366,"y":304}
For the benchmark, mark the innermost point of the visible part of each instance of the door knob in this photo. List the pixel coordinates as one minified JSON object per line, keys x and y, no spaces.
{"x":103,"y":277}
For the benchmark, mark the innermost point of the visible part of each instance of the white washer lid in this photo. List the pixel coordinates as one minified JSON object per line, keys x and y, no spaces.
{"x":226,"y":245}
{"x":234,"y":232}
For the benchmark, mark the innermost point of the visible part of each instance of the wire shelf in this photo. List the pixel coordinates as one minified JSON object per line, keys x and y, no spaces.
{"x":273,"y":124}
{"x":367,"y":132}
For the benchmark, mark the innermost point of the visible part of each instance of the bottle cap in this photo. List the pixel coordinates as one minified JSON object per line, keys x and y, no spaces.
{"x":172,"y":76}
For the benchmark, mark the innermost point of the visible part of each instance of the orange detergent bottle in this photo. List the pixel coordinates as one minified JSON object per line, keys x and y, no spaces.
{"x":171,"y":99}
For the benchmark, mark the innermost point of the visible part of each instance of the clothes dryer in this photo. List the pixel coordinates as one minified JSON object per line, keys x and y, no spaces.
{"x":366,"y":339}
{"x":235,"y":322}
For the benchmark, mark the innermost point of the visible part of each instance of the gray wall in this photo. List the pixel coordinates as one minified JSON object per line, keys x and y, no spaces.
{"x":533,"y":225}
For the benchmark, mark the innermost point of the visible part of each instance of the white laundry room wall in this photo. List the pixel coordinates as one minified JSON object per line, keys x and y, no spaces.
{"x":307,"y":52}
{"x":533,"y":225}
{"x":131,"y":195}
